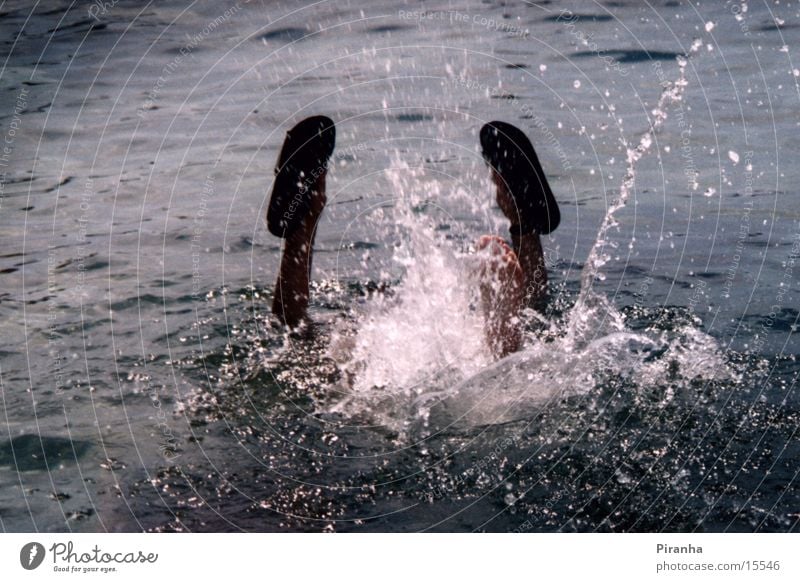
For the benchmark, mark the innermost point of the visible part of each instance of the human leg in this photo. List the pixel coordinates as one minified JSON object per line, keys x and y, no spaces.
{"x":515,"y":276}
{"x":296,"y":204}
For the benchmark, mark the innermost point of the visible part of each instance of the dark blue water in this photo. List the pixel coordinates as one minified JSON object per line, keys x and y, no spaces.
{"x":146,"y":387}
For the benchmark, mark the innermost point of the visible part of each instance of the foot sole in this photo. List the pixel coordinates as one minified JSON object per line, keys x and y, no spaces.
{"x":510,"y":153}
{"x":304,"y":157}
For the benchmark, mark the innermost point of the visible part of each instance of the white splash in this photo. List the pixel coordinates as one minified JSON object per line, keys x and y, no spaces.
{"x":427,"y":330}
{"x":420,"y":357}
{"x":426,"y":335}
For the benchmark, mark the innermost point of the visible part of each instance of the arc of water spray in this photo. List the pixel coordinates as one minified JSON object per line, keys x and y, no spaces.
{"x":672,"y":92}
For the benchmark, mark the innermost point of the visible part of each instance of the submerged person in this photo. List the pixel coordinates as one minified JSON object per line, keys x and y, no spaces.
{"x":510,"y":277}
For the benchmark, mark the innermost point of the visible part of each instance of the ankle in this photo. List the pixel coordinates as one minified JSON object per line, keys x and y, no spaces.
{"x":531,"y":258}
{"x":528,"y":242}
{"x":302,"y":239}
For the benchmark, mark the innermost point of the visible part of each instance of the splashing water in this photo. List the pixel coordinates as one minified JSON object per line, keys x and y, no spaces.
{"x":429,"y":332}
{"x":421,"y":354}
{"x":592,"y":309}
{"x":432,"y":330}
{"x":671,"y":93}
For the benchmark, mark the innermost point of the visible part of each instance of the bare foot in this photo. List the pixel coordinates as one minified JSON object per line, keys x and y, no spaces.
{"x":526,"y":199}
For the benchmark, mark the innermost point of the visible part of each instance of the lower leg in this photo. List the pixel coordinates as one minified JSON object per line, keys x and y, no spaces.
{"x":528,"y":248}
{"x":290,"y":302}
{"x":510,"y":278}
{"x":502,"y":289}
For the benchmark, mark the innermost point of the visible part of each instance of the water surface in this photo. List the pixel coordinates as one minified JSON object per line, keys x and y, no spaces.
{"x":145,"y":385}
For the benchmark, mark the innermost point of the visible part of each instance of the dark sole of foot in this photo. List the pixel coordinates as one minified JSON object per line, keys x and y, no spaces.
{"x":304,"y":157}
{"x":509,"y":151}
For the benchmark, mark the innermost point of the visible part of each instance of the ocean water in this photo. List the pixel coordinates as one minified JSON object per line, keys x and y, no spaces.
{"x":145,"y":385}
